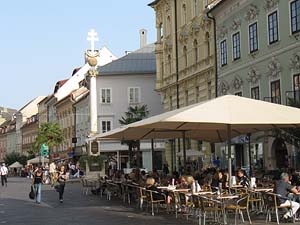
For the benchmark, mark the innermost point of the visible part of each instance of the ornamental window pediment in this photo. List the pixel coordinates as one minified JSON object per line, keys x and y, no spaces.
{"x":253,"y":76}
{"x":222,"y":32}
{"x":269,"y":5}
{"x":223,"y":87}
{"x":236,"y":24}
{"x":183,"y":37}
{"x":295,"y":61}
{"x":252,"y":13}
{"x":205,"y":24}
{"x":274,"y":68}
{"x":237,"y":83}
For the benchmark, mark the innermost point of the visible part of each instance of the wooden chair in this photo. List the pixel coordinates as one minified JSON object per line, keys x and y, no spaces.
{"x":141,"y":196}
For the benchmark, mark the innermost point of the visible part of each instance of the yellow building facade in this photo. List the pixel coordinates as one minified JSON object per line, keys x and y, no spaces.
{"x":185,"y":60}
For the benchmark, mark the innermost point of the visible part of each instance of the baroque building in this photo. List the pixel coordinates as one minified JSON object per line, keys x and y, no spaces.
{"x":185,"y":59}
{"x":258,"y":56}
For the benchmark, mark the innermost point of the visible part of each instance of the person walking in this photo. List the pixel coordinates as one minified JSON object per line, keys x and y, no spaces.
{"x":61,"y":178}
{"x":3,"y":172}
{"x":53,"y":172}
{"x":37,"y":182}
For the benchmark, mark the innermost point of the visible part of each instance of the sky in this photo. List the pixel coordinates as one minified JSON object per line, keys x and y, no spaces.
{"x":41,"y":42}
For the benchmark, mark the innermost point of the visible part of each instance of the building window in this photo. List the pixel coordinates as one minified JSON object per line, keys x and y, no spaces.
{"x":255,"y":93}
{"x":295,"y":16}
{"x":170,"y":64}
{"x":209,"y":90}
{"x":184,"y":19}
{"x":196,"y":50}
{"x":275,"y":92}
{"x":105,"y":95}
{"x":195,"y":7}
{"x":168,"y":25}
{"x":207,"y":38}
{"x":296,"y":84}
{"x":170,"y":103}
{"x":223,"y":53}
{"x":236,"y":46}
{"x":186,"y":98}
{"x":185,"y":56}
{"x":273,"y":27}
{"x":253,"y":38}
{"x":239,"y":93}
{"x":162,"y":70}
{"x":134,"y":95}
{"x":197,"y":93}
{"x":105,"y":126}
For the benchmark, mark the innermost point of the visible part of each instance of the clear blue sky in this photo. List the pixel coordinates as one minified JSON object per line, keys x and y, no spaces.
{"x":41,"y":42}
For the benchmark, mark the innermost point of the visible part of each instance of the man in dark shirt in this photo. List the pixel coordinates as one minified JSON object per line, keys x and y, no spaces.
{"x":284,"y":188}
{"x":243,"y":179}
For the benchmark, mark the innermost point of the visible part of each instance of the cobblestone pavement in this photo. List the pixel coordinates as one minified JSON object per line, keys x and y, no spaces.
{"x":16,"y":208}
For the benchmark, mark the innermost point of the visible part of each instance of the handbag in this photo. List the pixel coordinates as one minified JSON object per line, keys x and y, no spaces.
{"x":32,"y":193}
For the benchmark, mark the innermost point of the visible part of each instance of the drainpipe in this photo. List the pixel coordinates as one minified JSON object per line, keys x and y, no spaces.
{"x":216,"y":58}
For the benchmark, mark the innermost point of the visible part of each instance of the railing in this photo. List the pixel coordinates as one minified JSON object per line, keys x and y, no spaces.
{"x":276,"y":100}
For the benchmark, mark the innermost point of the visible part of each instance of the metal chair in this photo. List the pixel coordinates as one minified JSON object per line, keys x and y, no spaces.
{"x":270,"y":201}
{"x":150,"y":200}
{"x":242,"y":204}
{"x":212,"y":206}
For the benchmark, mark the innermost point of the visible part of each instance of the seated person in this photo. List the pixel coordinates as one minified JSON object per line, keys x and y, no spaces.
{"x":157,"y":194}
{"x":243,"y":179}
{"x":216,"y":181}
{"x":192,"y":184}
{"x":284,"y":188}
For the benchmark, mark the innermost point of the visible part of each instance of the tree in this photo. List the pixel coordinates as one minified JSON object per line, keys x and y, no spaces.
{"x":13,"y":157}
{"x":134,"y":114}
{"x":50,"y":134}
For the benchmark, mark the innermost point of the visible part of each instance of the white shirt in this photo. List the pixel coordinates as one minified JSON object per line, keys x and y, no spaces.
{"x":52,"y":168}
{"x":3,"y":170}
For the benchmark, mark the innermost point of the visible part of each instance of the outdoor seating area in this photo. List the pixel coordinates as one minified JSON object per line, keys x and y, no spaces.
{"x":183,"y":197}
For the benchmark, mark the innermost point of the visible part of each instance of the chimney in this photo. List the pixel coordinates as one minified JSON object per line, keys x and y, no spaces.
{"x":143,"y":38}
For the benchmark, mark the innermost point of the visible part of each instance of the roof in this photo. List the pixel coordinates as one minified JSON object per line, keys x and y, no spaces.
{"x":154,"y":3}
{"x":7,"y":113}
{"x":59,"y":84}
{"x":214,"y":5}
{"x":141,"y":61}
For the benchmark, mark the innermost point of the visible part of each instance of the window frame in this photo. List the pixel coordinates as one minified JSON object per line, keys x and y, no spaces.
{"x":223,"y":53}
{"x":105,"y":97}
{"x":271,"y":90}
{"x":139,"y":95}
{"x":250,"y":40}
{"x":236,"y":49}
{"x":277,"y":27}
{"x":297,"y":17}
{"x":106,"y":122}
{"x":256,"y":94}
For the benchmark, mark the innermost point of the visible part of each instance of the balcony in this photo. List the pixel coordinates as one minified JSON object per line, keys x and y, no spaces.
{"x":293,"y":98}
{"x":275,"y":100}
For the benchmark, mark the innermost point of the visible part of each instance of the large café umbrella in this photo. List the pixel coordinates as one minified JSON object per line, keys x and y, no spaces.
{"x":216,"y":120}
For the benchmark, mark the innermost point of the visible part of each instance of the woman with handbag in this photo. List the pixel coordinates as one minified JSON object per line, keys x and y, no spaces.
{"x":37,"y":182}
{"x":61,"y":178}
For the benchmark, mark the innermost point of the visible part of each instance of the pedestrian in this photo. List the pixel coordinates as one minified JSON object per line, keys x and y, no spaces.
{"x":61,"y":178}
{"x":37,"y":182}
{"x":3,"y":172}
{"x":53,"y":173}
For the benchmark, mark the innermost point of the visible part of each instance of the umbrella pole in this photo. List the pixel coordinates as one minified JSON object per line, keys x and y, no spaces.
{"x":229,"y":155}
{"x":152,"y":153}
{"x":184,"y":151}
{"x":250,"y":158}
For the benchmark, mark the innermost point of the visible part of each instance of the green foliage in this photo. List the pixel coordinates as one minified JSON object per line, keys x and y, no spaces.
{"x":50,"y":134}
{"x":15,"y":156}
{"x":134,"y":114}
{"x":99,"y":159}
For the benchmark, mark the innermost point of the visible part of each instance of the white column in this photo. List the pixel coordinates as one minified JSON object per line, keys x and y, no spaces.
{"x":93,"y":104}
